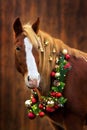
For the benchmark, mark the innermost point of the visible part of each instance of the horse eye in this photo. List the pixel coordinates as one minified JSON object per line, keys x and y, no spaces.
{"x":18,"y":48}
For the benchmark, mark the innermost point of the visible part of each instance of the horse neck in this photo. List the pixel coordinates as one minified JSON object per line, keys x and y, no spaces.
{"x":46,"y":65}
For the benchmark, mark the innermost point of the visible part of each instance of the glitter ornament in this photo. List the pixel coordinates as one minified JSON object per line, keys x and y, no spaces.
{"x":56,"y":83}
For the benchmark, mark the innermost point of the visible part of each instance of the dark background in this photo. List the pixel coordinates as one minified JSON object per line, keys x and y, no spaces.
{"x":64,"y":19}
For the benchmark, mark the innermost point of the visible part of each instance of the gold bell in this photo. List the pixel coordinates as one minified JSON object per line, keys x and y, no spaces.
{"x":50,"y":58}
{"x":54,"y":50}
{"x":56,"y":66}
{"x":46,"y":43}
{"x":57,"y":59}
{"x":41,"y":49}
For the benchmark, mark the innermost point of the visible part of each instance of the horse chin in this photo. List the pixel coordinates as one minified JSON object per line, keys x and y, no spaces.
{"x":30,"y":87}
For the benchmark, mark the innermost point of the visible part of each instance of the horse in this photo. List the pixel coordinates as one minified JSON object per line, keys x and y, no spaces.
{"x":35,"y":55}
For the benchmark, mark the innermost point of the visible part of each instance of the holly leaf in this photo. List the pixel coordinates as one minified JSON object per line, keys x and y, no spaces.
{"x":35,"y":108}
{"x":62,"y":100}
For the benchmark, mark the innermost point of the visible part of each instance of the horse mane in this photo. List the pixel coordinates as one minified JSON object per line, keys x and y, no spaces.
{"x":39,"y":41}
{"x":59,"y":45}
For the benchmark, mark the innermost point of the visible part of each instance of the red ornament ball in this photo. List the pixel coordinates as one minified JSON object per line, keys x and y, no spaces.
{"x":41,"y":106}
{"x":53,"y":94}
{"x":67,"y":66}
{"x":41,"y":114}
{"x":52,"y":74}
{"x":58,"y":94}
{"x":33,"y":100}
{"x":31,"y":115}
{"x":50,"y":109}
{"x":67,"y":56}
{"x":56,"y":106}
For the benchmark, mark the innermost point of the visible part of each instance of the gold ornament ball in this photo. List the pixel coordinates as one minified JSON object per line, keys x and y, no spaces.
{"x":64,"y":51}
{"x":57,"y":74}
{"x":50,"y":58}
{"x":28,"y":103}
{"x":50,"y":103}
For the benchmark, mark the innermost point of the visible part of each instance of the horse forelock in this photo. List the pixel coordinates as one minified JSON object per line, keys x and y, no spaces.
{"x":30,"y":34}
{"x":46,"y":66}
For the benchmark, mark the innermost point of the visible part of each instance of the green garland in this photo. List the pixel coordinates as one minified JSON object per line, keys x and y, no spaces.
{"x":55,"y":99}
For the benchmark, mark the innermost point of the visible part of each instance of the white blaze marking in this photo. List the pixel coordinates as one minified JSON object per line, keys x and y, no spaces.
{"x":30,"y":61}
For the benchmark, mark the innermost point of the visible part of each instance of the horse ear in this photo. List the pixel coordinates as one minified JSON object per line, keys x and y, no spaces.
{"x":35,"y":25}
{"x":17,"y":26}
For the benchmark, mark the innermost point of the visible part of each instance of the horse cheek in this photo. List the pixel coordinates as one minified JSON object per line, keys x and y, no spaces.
{"x":17,"y":65}
{"x":19,"y":62}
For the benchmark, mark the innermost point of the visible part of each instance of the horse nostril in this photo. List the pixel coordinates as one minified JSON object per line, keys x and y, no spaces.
{"x":28,"y":78}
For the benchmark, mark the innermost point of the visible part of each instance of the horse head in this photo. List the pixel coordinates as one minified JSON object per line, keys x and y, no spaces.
{"x":26,"y":55}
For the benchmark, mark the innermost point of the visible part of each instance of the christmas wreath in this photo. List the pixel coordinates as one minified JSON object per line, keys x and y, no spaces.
{"x":39,"y":105}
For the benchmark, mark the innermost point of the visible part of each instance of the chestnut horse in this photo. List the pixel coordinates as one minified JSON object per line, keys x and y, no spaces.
{"x":35,"y":54}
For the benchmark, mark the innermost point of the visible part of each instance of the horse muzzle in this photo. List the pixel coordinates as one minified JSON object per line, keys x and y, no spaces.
{"x":32,"y":82}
